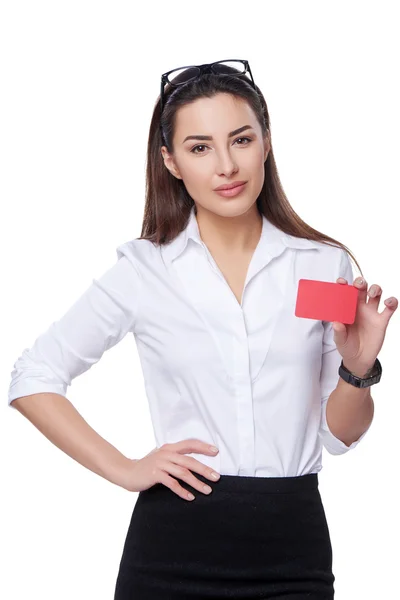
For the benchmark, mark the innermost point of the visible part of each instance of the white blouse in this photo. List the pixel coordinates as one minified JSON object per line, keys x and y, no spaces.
{"x":251,"y":378}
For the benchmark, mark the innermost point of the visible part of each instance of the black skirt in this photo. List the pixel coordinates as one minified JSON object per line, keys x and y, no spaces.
{"x":251,"y":537}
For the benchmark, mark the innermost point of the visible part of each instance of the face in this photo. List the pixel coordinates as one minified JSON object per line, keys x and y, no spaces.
{"x":203,"y":165}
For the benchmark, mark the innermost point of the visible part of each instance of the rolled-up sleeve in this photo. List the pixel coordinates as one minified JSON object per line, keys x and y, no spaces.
{"x":97,"y":321}
{"x":331,"y":359}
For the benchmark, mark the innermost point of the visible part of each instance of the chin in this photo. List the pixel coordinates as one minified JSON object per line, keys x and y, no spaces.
{"x":231,"y":207}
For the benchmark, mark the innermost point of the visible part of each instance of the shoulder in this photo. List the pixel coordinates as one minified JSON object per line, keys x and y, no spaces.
{"x":138,"y":252}
{"x":336,"y":255}
{"x":320,"y":250}
{"x":325,"y":262}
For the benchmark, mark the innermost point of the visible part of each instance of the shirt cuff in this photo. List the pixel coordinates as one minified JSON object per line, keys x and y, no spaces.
{"x":34,"y":386}
{"x":333,"y":444}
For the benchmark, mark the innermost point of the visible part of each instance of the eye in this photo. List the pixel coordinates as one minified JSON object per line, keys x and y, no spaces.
{"x":204,"y":146}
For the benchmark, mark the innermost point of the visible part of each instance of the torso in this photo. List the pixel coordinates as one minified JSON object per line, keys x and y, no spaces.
{"x":234,"y":269}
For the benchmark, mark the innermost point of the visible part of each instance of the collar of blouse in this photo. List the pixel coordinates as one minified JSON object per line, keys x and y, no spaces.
{"x":273,"y":240}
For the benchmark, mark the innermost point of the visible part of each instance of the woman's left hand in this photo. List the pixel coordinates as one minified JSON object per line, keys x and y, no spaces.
{"x":359,"y":343}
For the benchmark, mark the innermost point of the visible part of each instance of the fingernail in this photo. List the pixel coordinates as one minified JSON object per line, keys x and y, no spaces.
{"x":213,"y":449}
{"x":360,"y":280}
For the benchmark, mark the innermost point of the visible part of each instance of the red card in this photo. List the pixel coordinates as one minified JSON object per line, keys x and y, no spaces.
{"x":326,"y":301}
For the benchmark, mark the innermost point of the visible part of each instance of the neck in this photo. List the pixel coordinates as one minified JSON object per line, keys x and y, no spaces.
{"x":236,"y":235}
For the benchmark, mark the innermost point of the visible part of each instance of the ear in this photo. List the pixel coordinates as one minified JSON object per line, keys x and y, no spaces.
{"x":170,"y":163}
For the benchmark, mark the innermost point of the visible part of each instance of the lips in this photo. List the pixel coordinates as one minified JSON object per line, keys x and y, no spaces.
{"x":232,"y":192}
{"x":229,"y":186}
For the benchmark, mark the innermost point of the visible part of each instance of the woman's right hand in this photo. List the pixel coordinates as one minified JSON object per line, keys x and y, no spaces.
{"x":170,"y":459}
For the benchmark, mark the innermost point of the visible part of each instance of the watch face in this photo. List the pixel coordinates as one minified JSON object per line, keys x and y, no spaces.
{"x":371,"y":380}
{"x":359,"y":381}
{"x":375,"y":371}
{"x":366,"y":383}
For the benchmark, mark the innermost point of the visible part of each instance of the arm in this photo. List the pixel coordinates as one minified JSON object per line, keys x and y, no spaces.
{"x":349,"y":411}
{"x":97,"y":321}
{"x":61,"y":423}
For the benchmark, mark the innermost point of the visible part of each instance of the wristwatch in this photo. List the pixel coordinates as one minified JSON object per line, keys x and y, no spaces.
{"x":374,"y":375}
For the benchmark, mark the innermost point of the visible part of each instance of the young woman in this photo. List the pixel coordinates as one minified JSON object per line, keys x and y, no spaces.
{"x":209,"y":292}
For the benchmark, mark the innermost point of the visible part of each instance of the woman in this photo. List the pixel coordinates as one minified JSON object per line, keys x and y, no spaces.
{"x":209,"y":291}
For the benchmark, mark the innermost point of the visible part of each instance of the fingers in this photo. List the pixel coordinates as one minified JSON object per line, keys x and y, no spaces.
{"x":372,"y":295}
{"x":193,"y":445}
{"x":175,"y":463}
{"x":391,"y":305}
{"x":184,"y":474}
{"x":362,"y":287}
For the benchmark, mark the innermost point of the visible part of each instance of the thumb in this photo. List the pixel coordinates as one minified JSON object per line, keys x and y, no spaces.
{"x":339,"y":333}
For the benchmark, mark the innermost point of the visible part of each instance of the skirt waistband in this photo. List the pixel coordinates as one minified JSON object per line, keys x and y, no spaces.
{"x":267,"y":485}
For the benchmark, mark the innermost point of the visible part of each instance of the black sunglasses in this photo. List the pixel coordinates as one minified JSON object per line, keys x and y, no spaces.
{"x":193,"y":71}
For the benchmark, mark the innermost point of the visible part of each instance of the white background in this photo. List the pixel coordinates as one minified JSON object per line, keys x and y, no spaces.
{"x":78,"y":85}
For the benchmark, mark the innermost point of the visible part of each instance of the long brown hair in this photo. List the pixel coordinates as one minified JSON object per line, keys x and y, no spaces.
{"x":168,"y":204}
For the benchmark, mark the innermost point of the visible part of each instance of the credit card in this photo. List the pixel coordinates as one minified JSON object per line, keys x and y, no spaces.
{"x":326,"y":301}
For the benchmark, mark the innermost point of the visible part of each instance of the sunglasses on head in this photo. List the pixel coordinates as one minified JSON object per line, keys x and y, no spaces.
{"x":182,"y":75}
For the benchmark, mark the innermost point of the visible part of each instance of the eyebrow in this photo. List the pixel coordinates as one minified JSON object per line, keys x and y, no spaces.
{"x":209,"y":137}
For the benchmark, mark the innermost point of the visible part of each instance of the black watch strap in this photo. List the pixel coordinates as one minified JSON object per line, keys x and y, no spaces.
{"x":360,"y":382}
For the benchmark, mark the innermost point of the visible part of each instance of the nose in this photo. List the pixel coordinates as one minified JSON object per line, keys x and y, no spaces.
{"x":226,"y":165}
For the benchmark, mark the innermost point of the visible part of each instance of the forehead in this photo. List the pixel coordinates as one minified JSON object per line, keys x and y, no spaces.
{"x":219,"y":114}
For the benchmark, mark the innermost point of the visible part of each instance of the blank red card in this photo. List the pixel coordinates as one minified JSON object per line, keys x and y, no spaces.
{"x":326,"y":301}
